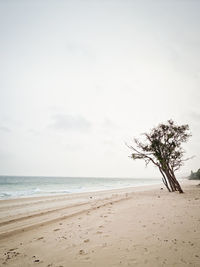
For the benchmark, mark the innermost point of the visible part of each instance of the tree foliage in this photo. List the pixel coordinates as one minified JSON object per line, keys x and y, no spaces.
{"x":195,"y":175}
{"x":163,"y":147}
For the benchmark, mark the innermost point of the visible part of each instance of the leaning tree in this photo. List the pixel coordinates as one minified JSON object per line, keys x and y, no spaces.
{"x":163,"y":147}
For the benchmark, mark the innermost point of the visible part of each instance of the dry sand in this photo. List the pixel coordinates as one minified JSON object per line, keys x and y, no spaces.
{"x":143,"y":226}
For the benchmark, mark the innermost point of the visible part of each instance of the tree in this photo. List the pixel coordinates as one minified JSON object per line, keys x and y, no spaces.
{"x":195,"y":175}
{"x":162,"y":147}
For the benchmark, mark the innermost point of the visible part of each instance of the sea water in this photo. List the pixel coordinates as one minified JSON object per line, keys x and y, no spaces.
{"x":29,"y":186}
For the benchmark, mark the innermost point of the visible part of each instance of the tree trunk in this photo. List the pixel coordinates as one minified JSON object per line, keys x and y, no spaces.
{"x":170,"y":180}
{"x":174,"y":183}
{"x":177,"y":183}
{"x":165,"y":180}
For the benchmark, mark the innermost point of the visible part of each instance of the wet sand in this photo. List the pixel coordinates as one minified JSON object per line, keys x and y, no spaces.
{"x":144,"y":226}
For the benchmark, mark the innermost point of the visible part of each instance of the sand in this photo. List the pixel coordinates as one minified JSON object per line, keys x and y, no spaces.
{"x":144,"y":226}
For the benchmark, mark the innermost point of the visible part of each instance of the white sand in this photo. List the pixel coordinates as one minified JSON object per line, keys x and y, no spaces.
{"x":129,"y":227}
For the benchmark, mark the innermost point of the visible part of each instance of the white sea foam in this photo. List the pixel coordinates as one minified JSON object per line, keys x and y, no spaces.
{"x":15,"y":187}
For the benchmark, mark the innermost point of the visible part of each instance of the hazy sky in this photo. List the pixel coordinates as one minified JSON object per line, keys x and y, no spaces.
{"x":78,"y":79}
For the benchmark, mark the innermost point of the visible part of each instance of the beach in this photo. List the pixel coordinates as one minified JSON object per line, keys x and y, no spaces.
{"x":141,"y":226}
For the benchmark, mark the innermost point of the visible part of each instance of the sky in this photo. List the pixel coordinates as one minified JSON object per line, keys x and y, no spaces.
{"x":79,"y":79}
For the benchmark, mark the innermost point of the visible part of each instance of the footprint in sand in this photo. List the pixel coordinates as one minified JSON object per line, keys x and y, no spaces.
{"x":12,"y":249}
{"x":11,"y":254}
{"x":39,"y":238}
{"x":81,"y":252}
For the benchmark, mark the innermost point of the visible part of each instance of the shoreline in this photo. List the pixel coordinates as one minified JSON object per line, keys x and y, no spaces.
{"x":123,"y":227}
{"x":140,"y":186}
{"x":23,"y":187}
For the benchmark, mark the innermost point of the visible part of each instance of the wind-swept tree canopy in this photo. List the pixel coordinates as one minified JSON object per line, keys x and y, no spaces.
{"x":163,"y":147}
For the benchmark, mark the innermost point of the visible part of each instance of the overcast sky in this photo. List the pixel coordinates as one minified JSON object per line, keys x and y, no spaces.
{"x":78,"y":79}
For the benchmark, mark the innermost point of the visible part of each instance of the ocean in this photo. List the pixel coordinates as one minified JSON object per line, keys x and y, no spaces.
{"x":30,"y":186}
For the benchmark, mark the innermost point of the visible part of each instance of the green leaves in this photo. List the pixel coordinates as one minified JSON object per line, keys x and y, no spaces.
{"x":162,"y":145}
